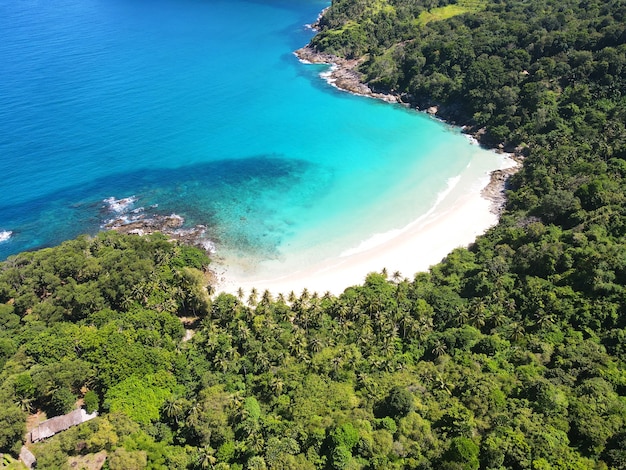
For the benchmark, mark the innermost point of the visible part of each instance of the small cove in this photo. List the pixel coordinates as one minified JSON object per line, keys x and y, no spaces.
{"x":177,"y":104}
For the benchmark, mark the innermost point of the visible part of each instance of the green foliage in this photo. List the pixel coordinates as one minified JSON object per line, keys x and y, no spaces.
{"x":140,"y":398}
{"x":344,"y":436}
{"x":122,"y":459}
{"x":462,"y":454}
{"x":91,"y":401}
{"x":189,"y":256}
{"x":63,"y":401}
{"x":398,"y":403}
{"x":387,"y":424}
{"x":449,"y":11}
{"x":507,"y":354}
{"x":12,"y":427}
{"x":252,"y":408}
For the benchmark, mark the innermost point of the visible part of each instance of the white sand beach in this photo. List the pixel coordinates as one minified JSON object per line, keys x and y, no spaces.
{"x":458,"y":218}
{"x":460,"y":214}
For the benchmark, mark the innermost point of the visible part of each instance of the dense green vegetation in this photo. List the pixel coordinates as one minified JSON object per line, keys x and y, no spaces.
{"x":473,"y":365}
{"x":507,"y":355}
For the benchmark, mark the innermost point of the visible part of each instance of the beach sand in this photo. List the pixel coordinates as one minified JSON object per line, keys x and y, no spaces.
{"x":460,"y":215}
{"x":467,"y":210}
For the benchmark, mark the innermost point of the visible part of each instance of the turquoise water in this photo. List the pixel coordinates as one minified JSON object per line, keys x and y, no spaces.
{"x":199,"y":108}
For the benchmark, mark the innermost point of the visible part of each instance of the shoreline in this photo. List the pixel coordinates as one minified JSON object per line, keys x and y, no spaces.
{"x":343,"y":75}
{"x":454,"y":222}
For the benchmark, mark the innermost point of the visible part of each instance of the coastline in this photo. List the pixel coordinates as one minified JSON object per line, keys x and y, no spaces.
{"x":454,"y":222}
{"x":461,"y":214}
{"x":343,"y":75}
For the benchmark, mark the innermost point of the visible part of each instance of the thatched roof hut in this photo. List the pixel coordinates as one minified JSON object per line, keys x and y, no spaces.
{"x":27,"y":457}
{"x":60,"y":423}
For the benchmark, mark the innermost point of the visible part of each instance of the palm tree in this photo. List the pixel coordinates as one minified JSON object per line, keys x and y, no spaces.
{"x":305,"y":296}
{"x":498,"y":318}
{"x":336,"y":363}
{"x":277,"y":386}
{"x":249,"y":427}
{"x":510,"y":305}
{"x":544,"y":319}
{"x":389,"y":347}
{"x":297,"y":345}
{"x":288,"y":316}
{"x":266,"y":299}
{"x":173,"y":408}
{"x":193,"y":414}
{"x":439,"y":348}
{"x":342,"y":312}
{"x":478,"y":315}
{"x":206,"y":457}
{"x":220,"y":363}
{"x":442,"y":385}
{"x":316,"y":344}
{"x":25,"y":404}
{"x":237,"y":406}
{"x":517,"y":331}
{"x":253,"y":298}
{"x":256,"y":443}
{"x":462,"y":316}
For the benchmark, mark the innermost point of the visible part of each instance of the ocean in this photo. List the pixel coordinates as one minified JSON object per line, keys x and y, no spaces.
{"x":199,"y":108}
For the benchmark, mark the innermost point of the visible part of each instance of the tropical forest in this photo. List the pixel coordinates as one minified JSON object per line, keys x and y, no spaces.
{"x":509,"y":354}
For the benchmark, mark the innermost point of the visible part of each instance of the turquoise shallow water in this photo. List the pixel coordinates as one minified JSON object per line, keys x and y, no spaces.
{"x":200,"y":108}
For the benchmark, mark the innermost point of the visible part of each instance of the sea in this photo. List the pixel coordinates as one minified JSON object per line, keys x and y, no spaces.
{"x":199,"y":108}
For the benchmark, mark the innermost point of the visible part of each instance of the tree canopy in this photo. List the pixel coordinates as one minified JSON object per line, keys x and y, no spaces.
{"x":508,"y":354}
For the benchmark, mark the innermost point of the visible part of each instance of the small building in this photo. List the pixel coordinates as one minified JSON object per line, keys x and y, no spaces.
{"x":60,"y":423}
{"x":27,"y":457}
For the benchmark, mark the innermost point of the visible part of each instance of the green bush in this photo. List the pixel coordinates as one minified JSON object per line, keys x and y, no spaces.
{"x":91,"y":401}
{"x":62,"y":401}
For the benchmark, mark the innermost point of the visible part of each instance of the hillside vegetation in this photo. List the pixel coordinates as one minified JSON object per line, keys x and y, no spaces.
{"x":508,"y":355}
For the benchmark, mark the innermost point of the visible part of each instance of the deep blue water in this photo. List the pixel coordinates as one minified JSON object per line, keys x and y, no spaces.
{"x":199,"y":107}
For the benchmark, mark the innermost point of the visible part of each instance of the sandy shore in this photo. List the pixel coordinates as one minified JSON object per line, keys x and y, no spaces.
{"x":456,"y":220}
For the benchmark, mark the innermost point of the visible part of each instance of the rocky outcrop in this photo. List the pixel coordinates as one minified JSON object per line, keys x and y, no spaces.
{"x":170,"y":225}
{"x":344,"y":74}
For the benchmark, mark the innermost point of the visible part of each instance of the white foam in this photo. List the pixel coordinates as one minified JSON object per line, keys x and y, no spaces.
{"x":471,"y":139}
{"x":379,"y":239}
{"x":301,"y":60}
{"x":176,"y":217}
{"x":327,"y":75}
{"x":120,"y":205}
{"x":5,"y":235}
{"x":209,"y":246}
{"x":451,"y":184}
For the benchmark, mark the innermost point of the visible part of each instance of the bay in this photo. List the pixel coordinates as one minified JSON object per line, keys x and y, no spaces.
{"x":200,"y":108}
